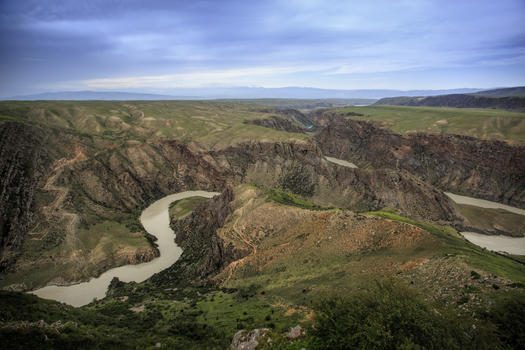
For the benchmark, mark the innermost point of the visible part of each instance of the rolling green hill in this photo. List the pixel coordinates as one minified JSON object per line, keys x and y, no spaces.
{"x":514,"y":101}
{"x":480,"y":123}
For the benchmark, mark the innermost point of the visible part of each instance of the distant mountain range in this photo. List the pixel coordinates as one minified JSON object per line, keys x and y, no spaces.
{"x":236,"y":93}
{"x":95,"y":95}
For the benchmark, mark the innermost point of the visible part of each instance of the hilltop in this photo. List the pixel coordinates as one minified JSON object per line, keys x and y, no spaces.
{"x":513,"y":91}
{"x":509,"y":98}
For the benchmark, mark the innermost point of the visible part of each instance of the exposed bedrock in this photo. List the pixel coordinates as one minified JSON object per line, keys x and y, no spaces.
{"x":279,"y":123}
{"x":491,"y":170}
{"x":22,"y":164}
{"x":204,"y":252}
{"x":123,"y":178}
{"x":301,"y":168}
{"x":135,"y":175}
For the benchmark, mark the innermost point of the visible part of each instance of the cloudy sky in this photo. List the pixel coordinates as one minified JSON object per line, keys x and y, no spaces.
{"x":153,"y":46}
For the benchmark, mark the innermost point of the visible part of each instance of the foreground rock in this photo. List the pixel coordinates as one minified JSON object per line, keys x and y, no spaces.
{"x":244,"y":340}
{"x":296,"y":332}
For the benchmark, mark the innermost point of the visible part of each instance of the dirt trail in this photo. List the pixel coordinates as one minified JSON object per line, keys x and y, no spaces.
{"x":240,"y":234}
{"x":55,"y":209}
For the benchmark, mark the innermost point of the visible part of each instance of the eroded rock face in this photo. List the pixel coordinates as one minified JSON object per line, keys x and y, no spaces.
{"x":267,"y":164}
{"x":278,"y":123}
{"x":204,"y":252}
{"x":22,"y":164}
{"x":67,"y":181}
{"x":135,"y":175}
{"x":122,"y":179}
{"x":492,"y":170}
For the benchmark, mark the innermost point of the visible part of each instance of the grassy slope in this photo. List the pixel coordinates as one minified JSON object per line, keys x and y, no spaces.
{"x":181,"y":209}
{"x":290,"y":286}
{"x":98,"y":244}
{"x":314,"y":267}
{"x":474,"y":255}
{"x":278,"y":296}
{"x":212,"y":123}
{"x":489,"y":219}
{"x":482,"y":123}
{"x":105,"y":126}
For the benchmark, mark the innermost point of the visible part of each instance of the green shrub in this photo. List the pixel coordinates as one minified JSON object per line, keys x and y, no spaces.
{"x":391,"y":316}
{"x":508,"y":316}
{"x":298,"y":179}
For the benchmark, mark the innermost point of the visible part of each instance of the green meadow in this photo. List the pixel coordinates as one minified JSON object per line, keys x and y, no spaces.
{"x":494,"y":124}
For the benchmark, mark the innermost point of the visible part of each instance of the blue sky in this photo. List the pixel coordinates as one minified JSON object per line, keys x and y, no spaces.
{"x":153,"y":46}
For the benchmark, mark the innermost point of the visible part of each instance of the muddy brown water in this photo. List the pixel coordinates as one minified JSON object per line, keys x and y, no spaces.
{"x":155,"y":220}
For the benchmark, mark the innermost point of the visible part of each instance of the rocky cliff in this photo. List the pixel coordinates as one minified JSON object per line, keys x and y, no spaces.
{"x":204,"y":252}
{"x":301,"y":168}
{"x":71,"y":185}
{"x":278,"y":123}
{"x":96,"y":180}
{"x":22,"y":166}
{"x":136,"y":174}
{"x":492,"y":170}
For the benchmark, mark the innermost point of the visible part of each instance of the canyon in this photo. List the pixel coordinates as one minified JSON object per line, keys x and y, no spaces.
{"x":309,"y":203}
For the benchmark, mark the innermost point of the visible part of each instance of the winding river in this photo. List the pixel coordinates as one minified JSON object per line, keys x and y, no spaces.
{"x":155,"y":220}
{"x":499,"y":243}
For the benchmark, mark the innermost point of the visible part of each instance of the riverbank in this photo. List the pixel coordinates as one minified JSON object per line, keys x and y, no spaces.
{"x":155,"y":220}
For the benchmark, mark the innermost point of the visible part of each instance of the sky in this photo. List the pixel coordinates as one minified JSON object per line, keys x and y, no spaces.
{"x":154,"y":46}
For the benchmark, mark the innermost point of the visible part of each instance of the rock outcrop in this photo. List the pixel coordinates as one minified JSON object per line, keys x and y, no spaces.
{"x":268,"y":164}
{"x":491,"y":170}
{"x":244,"y":340}
{"x":204,"y":253}
{"x":122,"y":179}
{"x":22,"y":165}
{"x":278,"y":123}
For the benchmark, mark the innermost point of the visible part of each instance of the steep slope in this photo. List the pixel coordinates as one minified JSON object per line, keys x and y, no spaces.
{"x":75,"y":214}
{"x":22,"y":166}
{"x":486,"y":169}
{"x":289,"y":228}
{"x":108,"y":160}
{"x":293,"y":252}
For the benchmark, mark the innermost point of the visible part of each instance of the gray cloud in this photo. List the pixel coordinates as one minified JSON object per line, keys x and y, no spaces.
{"x":54,"y":43}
